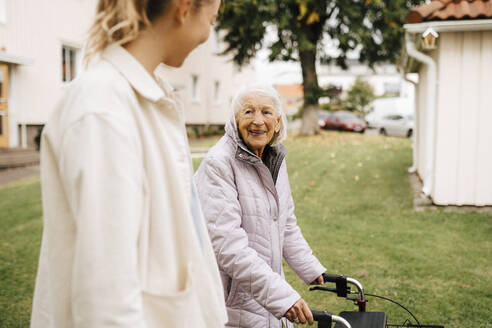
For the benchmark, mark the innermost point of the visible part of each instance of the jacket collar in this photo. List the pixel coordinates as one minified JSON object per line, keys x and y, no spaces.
{"x":242,"y":151}
{"x":145,"y":84}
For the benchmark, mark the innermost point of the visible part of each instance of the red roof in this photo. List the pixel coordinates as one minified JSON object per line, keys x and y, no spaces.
{"x":439,"y":10}
{"x":290,"y":90}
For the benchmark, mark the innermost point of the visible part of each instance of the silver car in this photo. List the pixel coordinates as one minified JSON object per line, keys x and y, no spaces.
{"x":396,"y":125}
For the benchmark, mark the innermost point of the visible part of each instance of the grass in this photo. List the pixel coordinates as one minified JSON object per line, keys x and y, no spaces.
{"x":354,"y":205}
{"x":20,"y":240}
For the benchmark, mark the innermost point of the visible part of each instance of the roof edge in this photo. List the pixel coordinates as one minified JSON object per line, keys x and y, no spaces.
{"x":14,"y":59}
{"x":450,"y":26}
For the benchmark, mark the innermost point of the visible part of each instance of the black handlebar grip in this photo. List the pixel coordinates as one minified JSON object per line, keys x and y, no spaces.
{"x":328,"y":277}
{"x":340,"y":281}
{"x":321,"y":316}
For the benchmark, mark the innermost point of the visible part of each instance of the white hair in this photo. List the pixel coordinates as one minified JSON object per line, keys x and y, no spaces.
{"x":263,"y":90}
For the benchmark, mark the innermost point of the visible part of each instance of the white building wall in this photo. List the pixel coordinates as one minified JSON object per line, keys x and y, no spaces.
{"x":209,"y":67}
{"x":483,"y":188}
{"x":383,"y":74}
{"x":463,"y":166}
{"x":38,"y":29}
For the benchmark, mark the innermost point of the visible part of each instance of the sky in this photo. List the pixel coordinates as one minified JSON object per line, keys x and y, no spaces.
{"x":284,"y":72}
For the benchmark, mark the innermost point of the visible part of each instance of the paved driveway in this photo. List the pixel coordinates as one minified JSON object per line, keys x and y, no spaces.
{"x":11,"y":175}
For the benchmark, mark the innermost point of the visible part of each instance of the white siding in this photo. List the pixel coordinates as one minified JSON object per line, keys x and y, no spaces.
{"x":483,"y":187}
{"x":448,"y":117}
{"x":463,"y":164}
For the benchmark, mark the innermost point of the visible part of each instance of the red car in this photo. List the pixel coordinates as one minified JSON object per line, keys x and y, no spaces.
{"x":341,"y":120}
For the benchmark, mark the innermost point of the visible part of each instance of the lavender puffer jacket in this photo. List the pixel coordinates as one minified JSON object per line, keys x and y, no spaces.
{"x":252,"y":225}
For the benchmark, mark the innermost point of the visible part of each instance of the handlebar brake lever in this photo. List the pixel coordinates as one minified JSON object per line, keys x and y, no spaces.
{"x":326,"y":289}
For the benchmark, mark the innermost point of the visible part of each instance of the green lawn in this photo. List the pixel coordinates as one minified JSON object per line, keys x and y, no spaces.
{"x":20,"y":238}
{"x":354,"y":204}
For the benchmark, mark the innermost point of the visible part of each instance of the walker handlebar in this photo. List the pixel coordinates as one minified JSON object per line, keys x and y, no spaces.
{"x":341,"y":281}
{"x":328,"y":277}
{"x":321,"y":315}
{"x":326,"y":318}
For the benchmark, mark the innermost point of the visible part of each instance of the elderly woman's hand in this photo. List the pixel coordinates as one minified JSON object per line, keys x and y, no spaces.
{"x":300,"y":313}
{"x":318,"y":281}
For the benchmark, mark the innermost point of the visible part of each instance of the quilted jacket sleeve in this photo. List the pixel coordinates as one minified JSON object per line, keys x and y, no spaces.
{"x":296,"y":250}
{"x":222,"y":211}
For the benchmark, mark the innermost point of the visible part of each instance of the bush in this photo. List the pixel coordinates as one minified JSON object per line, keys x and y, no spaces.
{"x":359,"y":96}
{"x":198,"y":131}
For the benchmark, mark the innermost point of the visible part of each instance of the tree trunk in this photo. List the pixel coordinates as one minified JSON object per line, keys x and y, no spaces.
{"x":310,"y":85}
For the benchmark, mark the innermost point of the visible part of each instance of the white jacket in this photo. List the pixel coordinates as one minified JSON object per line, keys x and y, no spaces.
{"x":120,"y":246}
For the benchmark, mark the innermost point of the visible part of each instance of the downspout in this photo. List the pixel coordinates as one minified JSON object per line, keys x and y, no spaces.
{"x":431,"y":111}
{"x":413,"y":168}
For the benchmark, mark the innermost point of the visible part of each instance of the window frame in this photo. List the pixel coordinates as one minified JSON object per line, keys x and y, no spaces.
{"x":217,"y":88}
{"x":195,"y":88}
{"x":2,"y":123}
{"x":69,"y":75}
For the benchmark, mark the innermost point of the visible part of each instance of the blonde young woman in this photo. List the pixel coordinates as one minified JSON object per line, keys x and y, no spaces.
{"x":124,"y":242}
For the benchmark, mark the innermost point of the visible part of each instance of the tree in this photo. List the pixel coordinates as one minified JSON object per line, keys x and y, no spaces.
{"x":359,"y":95}
{"x":373,"y":28}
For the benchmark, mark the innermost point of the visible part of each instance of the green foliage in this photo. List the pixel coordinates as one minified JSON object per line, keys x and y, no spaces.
{"x":373,"y":26}
{"x":359,"y":95}
{"x":200,"y":131}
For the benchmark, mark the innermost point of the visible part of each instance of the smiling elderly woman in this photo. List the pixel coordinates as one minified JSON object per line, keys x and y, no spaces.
{"x":244,"y":190}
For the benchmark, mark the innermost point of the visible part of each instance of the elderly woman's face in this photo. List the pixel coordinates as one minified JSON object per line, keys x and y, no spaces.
{"x":257,"y":122}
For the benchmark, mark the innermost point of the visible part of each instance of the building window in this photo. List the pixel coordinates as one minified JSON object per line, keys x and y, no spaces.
{"x":391,"y":89}
{"x":69,"y":61}
{"x":3,"y":11}
{"x":195,"y":90}
{"x":216,"y":91}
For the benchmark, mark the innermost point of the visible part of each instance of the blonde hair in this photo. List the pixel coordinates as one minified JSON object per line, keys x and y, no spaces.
{"x":120,"y":21}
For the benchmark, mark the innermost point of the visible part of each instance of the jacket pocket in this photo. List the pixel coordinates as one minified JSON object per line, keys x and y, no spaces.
{"x":175,"y":309}
{"x":232,"y":292}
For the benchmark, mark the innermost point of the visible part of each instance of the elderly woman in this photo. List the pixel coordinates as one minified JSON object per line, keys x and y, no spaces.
{"x":244,"y":190}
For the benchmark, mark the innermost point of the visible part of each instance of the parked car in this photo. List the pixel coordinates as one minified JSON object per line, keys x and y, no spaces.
{"x":341,"y":120}
{"x":382,"y":107}
{"x":396,"y":125}
{"x":373,"y":119}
